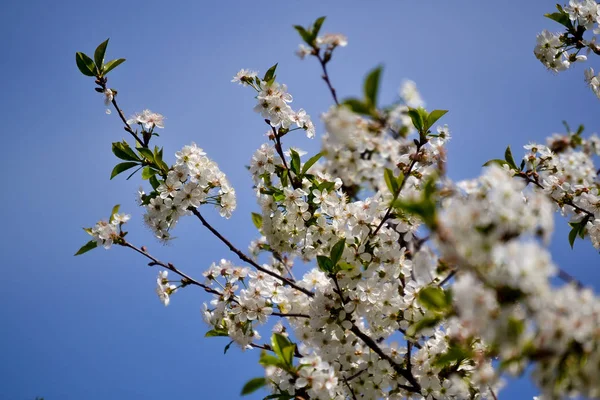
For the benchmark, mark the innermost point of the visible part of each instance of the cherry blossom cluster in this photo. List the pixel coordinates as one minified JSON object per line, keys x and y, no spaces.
{"x":564,"y":169}
{"x":557,"y":51}
{"x":192,"y":181}
{"x":106,"y":233}
{"x":273,"y":101}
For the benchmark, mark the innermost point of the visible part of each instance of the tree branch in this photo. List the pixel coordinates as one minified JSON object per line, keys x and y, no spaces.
{"x":247,"y":259}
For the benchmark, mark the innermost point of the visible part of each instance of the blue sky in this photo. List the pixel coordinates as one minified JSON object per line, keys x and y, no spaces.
{"x":91,"y":327}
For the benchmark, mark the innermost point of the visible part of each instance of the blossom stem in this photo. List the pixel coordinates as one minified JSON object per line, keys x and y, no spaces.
{"x":247,"y":259}
{"x":127,"y":127}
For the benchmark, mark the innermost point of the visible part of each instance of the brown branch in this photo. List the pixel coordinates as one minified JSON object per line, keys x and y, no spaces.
{"x":186,"y":278}
{"x":247,"y":259}
{"x":415,"y":387}
{"x":326,"y":76}
{"x":102,"y":83}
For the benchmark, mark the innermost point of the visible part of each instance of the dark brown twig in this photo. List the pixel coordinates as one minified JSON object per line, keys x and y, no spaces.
{"x":247,"y":259}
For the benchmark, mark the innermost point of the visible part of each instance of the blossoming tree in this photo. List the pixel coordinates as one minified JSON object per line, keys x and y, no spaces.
{"x":386,"y":279}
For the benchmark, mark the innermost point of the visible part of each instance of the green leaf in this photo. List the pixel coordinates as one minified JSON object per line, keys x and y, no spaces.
{"x":85,"y":64}
{"x":455,"y":355}
{"x":284,"y":178}
{"x":148,"y":173}
{"x":428,"y":321}
{"x":92,"y":244}
{"x":317,"y":27}
{"x":345,"y":266}
{"x":115,"y":210}
{"x":434,"y":116}
{"x":295,"y":164}
{"x":216,"y":332}
{"x":390,"y":181}
{"x":124,"y":152}
{"x":371,"y":86}
{"x":416,"y":118}
{"x":311,"y":162}
{"x":270,"y":360}
{"x":278,"y":343}
{"x":122,"y":167}
{"x":495,"y":161}
{"x":560,"y":17}
{"x":336,"y":251}
{"x":358,"y":106}
{"x":253,"y":385}
{"x":227,"y":347}
{"x":515,"y":328}
{"x":304,"y":34}
{"x":154,"y":182}
{"x":573,"y":235}
{"x":109,"y":66}
{"x":146,"y":153}
{"x":257,"y":220}
{"x":509,"y":158}
{"x":270,"y":74}
{"x":325,"y":264}
{"x":99,"y":54}
{"x":287,"y":354}
{"x":434,"y":299}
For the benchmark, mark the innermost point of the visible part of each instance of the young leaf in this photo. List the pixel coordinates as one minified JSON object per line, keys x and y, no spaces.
{"x":115,"y":210}
{"x":99,"y":54}
{"x":434,"y":116}
{"x":270,"y":74}
{"x":390,"y":181}
{"x":278,"y":343}
{"x":434,"y":299}
{"x":154,"y":182}
{"x":304,"y":34}
{"x":495,"y":161}
{"x":92,"y":244}
{"x":509,"y":158}
{"x":148,"y":173}
{"x":122,"y":167}
{"x":270,"y":360}
{"x":124,"y":152}
{"x":371,"y":87}
{"x":253,"y":385}
{"x":147,"y":153}
{"x":311,"y":162}
{"x":336,"y":251}
{"x":85,"y":64}
{"x":317,"y":27}
{"x":109,"y":66}
{"x":257,"y":220}
{"x":295,"y":164}
{"x":227,"y":347}
{"x":216,"y":332}
{"x":325,"y":264}
{"x":573,"y":235}
{"x":416,"y":118}
{"x":560,"y":17}
{"x":358,"y":106}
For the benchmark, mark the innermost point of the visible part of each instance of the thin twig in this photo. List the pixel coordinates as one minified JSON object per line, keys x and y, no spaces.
{"x":247,"y":259}
{"x":350,"y":389}
{"x":102,"y":83}
{"x":326,"y":77}
{"x":171,"y":267}
{"x":415,"y":387}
